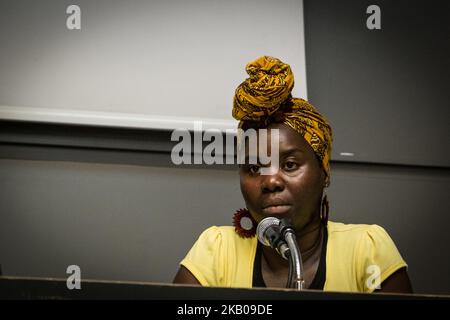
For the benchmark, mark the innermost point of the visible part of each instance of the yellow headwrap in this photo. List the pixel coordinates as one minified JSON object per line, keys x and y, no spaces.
{"x":265,"y":97}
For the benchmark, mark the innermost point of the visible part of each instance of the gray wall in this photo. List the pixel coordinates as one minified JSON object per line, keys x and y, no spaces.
{"x":114,"y":221}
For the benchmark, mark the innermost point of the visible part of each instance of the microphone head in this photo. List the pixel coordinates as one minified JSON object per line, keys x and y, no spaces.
{"x":263,"y":226}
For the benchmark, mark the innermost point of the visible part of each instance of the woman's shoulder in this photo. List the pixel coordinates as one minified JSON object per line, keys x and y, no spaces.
{"x":219,"y":230}
{"x":223,"y":234}
{"x":223,"y":240}
{"x":364,"y":239}
{"x":352,"y":231}
{"x":359,"y":248}
{"x":350,"y":227}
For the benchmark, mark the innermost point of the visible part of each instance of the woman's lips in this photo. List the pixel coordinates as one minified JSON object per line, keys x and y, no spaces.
{"x":276,"y":209}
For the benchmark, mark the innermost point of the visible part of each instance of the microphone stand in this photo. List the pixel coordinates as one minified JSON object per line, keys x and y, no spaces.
{"x":295,"y":278}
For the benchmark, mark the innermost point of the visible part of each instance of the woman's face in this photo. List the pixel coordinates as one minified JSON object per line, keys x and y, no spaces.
{"x":293,"y":191}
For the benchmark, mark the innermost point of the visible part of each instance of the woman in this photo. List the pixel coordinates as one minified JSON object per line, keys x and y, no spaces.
{"x":336,"y":256}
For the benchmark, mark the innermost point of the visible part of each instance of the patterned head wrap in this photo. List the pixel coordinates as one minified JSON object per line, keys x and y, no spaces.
{"x":265,"y":97}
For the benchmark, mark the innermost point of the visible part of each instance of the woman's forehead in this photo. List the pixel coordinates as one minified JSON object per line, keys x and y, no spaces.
{"x":288,"y":139}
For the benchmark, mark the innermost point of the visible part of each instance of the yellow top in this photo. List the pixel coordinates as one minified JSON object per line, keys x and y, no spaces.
{"x":356,"y":254}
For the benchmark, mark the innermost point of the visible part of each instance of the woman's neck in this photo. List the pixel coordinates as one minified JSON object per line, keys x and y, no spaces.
{"x":309,"y":242}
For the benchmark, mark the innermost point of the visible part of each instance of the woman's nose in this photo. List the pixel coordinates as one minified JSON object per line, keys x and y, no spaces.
{"x":272,"y":183}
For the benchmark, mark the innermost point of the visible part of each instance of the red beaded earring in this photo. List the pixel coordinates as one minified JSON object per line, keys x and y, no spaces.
{"x":239,"y":229}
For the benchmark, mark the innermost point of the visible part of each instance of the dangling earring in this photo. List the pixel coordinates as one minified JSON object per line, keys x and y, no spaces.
{"x":324,"y":208}
{"x":239,"y":229}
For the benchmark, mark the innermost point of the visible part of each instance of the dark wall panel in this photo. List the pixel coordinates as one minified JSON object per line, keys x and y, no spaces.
{"x":386,"y":92}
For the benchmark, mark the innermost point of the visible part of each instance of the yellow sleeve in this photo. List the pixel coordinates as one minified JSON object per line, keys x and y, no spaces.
{"x":379,"y":258}
{"x":204,"y":258}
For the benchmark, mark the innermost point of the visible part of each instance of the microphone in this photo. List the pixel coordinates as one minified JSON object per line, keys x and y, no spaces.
{"x":268,"y":232}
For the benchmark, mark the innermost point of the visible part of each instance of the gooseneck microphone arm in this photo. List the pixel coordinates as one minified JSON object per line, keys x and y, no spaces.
{"x":295,"y":279}
{"x":280,"y":235}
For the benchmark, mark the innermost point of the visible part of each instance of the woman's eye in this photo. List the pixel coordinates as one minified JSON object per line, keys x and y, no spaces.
{"x":254,"y":169}
{"x":290,"y":165}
